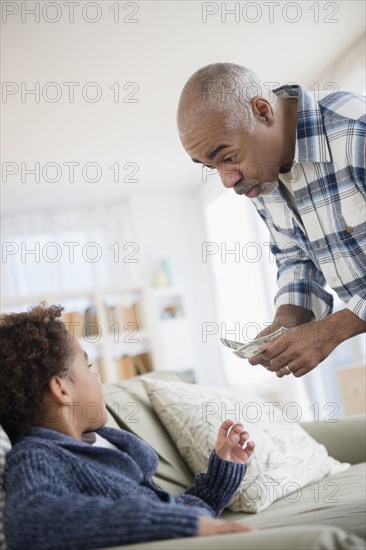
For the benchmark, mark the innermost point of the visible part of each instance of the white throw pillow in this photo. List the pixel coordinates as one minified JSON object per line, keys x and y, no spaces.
{"x":286,"y":457}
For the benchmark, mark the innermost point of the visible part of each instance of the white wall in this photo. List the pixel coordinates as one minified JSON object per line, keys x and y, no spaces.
{"x":157,"y":53}
{"x":348,"y":70}
{"x":171,"y":225}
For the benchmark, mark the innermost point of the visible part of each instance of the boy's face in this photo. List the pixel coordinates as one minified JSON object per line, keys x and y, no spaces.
{"x":88,"y":408}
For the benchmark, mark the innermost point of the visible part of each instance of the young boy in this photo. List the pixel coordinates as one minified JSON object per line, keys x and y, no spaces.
{"x":73,"y":483}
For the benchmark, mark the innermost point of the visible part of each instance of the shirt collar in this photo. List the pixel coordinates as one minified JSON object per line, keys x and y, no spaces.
{"x":53,"y":435}
{"x":311,"y":142}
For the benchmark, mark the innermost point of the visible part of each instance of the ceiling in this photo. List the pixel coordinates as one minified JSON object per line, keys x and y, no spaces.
{"x":150,"y":53}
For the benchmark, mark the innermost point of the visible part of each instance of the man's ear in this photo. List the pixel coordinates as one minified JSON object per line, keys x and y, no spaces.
{"x":58,"y":389}
{"x":262,"y":110}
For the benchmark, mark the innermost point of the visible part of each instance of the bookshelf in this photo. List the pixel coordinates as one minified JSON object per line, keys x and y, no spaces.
{"x":173,"y":331}
{"x":112,"y":325}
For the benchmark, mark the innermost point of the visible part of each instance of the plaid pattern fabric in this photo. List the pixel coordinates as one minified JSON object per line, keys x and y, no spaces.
{"x":327,"y":244}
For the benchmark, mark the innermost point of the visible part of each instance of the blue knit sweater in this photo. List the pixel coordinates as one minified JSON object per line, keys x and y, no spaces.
{"x":62,"y":493}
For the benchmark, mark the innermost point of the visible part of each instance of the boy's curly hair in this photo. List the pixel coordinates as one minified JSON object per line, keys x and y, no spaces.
{"x":35,"y":346}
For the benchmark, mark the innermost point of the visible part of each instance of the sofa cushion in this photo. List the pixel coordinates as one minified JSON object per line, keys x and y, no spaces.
{"x":129,"y":408}
{"x":344,"y":438}
{"x":286,"y":457}
{"x":337,"y":500}
{"x":285,"y":538}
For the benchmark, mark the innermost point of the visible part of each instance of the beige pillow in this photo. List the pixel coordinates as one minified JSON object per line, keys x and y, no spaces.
{"x":286,"y":458}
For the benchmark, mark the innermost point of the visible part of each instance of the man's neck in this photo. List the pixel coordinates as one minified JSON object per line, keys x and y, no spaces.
{"x":289,"y":127}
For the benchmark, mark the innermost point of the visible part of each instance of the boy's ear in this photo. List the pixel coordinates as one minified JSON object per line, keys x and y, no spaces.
{"x":59,"y":390}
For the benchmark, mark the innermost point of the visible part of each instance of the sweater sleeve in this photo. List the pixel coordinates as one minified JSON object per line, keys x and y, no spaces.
{"x":44,"y":512}
{"x":217,"y":487}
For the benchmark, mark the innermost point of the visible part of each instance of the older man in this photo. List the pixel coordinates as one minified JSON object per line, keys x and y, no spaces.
{"x":301,"y":161}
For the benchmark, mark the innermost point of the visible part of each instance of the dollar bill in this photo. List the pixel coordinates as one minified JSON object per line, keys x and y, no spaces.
{"x":251,"y":349}
{"x":231,"y":343}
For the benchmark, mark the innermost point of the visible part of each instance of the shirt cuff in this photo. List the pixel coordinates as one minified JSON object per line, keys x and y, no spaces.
{"x":306,"y":295}
{"x":357,"y":305}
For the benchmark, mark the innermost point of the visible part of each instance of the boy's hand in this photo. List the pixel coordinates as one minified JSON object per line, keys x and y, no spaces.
{"x":230,"y":441}
{"x":213,"y":526}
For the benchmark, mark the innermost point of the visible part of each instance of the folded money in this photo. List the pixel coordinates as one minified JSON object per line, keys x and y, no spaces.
{"x":251,"y":349}
{"x":231,"y":344}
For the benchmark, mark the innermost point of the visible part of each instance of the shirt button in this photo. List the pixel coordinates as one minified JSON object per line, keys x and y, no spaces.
{"x":349,"y":229}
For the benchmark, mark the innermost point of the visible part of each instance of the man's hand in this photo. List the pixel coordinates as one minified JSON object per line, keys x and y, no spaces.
{"x":302,"y":348}
{"x":230,"y":441}
{"x":288,"y":316}
{"x":213,"y":526}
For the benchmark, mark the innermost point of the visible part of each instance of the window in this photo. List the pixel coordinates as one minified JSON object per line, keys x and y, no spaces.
{"x":66,"y":250}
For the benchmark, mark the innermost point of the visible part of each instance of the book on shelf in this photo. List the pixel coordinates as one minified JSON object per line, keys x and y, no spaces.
{"x":91,"y":326}
{"x":124,"y":316}
{"x":126,"y":367}
{"x":142,"y":363}
{"x":74,"y":321}
{"x":133,"y":365}
{"x":81,"y":324}
{"x":137,"y":314}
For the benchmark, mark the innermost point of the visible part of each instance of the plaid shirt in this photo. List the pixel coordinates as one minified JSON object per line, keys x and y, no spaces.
{"x":327,"y":243}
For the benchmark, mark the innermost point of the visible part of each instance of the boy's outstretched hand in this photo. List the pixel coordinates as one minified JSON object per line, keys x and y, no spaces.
{"x":229,"y":443}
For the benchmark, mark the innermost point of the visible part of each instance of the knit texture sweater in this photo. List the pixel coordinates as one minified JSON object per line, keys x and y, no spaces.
{"x":62,"y":493}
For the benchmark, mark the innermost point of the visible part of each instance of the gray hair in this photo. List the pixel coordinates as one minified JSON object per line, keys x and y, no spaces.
{"x":223,"y":88}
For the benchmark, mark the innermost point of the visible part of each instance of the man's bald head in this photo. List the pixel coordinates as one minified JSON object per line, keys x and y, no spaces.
{"x":223,"y":89}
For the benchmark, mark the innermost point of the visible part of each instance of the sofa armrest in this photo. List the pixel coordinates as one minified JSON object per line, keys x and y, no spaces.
{"x":344,"y":438}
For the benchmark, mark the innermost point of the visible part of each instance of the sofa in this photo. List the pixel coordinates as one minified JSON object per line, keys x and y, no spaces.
{"x":330,"y":515}
{"x":331,"y":518}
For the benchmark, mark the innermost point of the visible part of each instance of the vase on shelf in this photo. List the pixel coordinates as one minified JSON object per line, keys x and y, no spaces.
{"x":162,"y":274}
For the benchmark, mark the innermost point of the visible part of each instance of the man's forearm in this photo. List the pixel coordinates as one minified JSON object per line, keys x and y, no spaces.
{"x":343,"y":325}
{"x":289,"y":316}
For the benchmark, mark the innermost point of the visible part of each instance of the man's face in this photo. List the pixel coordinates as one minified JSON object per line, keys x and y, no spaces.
{"x":248,"y":163}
